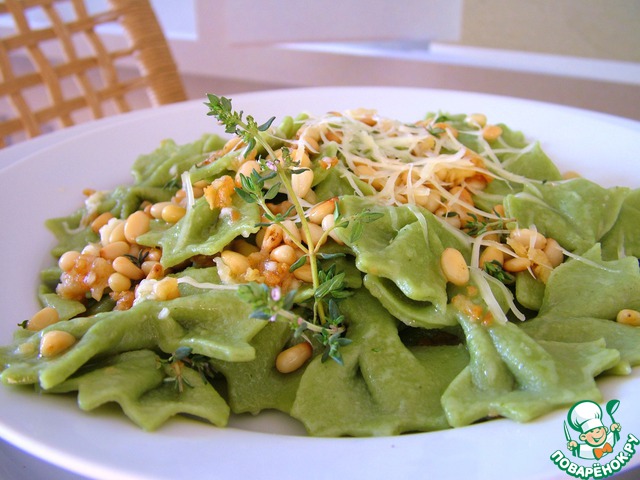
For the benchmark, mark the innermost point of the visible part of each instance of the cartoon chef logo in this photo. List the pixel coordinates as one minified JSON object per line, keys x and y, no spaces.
{"x":595,"y":443}
{"x":596,"y":439}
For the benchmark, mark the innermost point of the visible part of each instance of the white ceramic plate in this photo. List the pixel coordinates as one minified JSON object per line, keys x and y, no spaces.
{"x":105,"y":444}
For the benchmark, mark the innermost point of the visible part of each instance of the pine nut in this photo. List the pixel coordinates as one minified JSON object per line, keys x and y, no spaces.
{"x":333,"y":136}
{"x":107,"y":229}
{"x":516,"y":264}
{"x":180,"y":195}
{"x":328,"y":223}
{"x":425,"y":145}
{"x":554,"y":252}
{"x":55,"y":342}
{"x":137,"y":223}
{"x":283,"y":254}
{"x":570,"y":175}
{"x":149,"y":265}
{"x":155,"y":272}
{"x":448,"y":128}
{"x":293,"y":358}
{"x":309,"y":143}
{"x":198,"y":191}
{"x":542,"y":273}
{"x":234,"y":143}
{"x":426,"y":198}
{"x":245,"y":169}
{"x":528,"y":238}
{"x":156,"y":209}
{"x":316,"y":232}
{"x":273,"y":236}
{"x":492,"y":237}
{"x":304,"y":273}
{"x":43,"y":318}
{"x":629,"y":317}
{"x":309,"y":132}
{"x":369,"y":174}
{"x":218,"y":194}
{"x":328,"y":162}
{"x":462,"y":194}
{"x":453,"y":220}
{"x":491,"y":254}
{"x":301,"y":182}
{"x":114,"y":250}
{"x":479,"y":119}
{"x":119,"y":283}
{"x":281,"y":207}
{"x":117,"y":234}
{"x":172,"y":213}
{"x":476,"y":183}
{"x":491,"y":132}
{"x":454,"y":266}
{"x":243,"y":247}
{"x":321,"y":210}
{"x":127,"y":268}
{"x":67,"y":260}
{"x":260,"y":236}
{"x":166,"y":289}
{"x":499,"y":209}
{"x":291,"y":233}
{"x":134,"y":250}
{"x":301,"y":158}
{"x":311,"y":198}
{"x":100,"y":221}
{"x":91,"y":249}
{"x":237,"y":263}
{"x":154,"y":254}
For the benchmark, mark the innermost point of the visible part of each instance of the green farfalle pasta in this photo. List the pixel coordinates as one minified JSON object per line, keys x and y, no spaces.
{"x":214,"y":323}
{"x":397,"y":347}
{"x":203,"y":231}
{"x":404,"y":246}
{"x":577,"y":213}
{"x":382,"y":388}
{"x":137,"y":382}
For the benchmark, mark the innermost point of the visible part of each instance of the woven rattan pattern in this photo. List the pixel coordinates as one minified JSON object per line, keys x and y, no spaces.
{"x":59,"y":65}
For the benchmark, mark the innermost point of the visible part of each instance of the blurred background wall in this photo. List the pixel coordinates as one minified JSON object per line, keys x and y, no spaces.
{"x":583,"y":53}
{"x":599,"y":29}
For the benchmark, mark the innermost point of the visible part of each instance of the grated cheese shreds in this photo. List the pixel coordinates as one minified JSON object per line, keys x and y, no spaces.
{"x":407,"y":162}
{"x":482,"y":283}
{"x":188,"y":188}
{"x":402,"y":161}
{"x":206,"y":285}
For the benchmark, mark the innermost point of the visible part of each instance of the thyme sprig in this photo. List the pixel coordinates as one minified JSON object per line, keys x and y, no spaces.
{"x":261,"y":187}
{"x":184,"y":357}
{"x":270,"y":304}
{"x":475,"y":226}
{"x":139,"y":259}
{"x":274,"y":166}
{"x":494,"y":268}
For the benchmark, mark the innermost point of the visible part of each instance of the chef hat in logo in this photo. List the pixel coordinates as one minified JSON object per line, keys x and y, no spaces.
{"x":585,"y":416}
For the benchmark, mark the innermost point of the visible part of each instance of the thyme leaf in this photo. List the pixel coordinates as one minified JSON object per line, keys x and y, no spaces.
{"x":494,"y":268}
{"x":184,"y":357}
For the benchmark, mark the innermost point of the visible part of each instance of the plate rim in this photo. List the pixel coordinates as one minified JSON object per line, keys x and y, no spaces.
{"x":54,"y":456}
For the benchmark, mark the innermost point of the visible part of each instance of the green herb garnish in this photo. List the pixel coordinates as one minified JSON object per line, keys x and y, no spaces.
{"x":494,"y":268}
{"x":259,"y":187}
